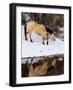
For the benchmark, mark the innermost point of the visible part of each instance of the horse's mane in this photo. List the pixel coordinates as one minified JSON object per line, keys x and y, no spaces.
{"x":49,"y":30}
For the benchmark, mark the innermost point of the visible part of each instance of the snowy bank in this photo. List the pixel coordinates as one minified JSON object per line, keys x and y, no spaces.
{"x":38,"y":49}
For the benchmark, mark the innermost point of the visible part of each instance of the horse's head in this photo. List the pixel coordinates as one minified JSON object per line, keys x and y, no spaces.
{"x":51,"y":33}
{"x":54,"y":36}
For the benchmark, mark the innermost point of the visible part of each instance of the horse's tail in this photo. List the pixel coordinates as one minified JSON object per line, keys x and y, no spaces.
{"x":25,"y":31}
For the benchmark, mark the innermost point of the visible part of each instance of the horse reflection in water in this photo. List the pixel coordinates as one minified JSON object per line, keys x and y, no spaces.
{"x":41,"y":69}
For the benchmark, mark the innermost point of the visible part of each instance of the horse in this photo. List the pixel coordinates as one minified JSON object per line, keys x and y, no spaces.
{"x":40,"y":29}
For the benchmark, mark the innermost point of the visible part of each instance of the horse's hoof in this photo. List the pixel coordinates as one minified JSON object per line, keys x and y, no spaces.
{"x":43,"y":43}
{"x":31,"y":41}
{"x":25,"y":38}
{"x":47,"y":43}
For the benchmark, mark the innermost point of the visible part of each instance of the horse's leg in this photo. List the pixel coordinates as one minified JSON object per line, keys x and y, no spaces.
{"x":31,"y":69}
{"x":43,"y":41}
{"x":31,"y":60}
{"x":25,"y":31}
{"x":47,"y":38}
{"x":30,"y":37}
{"x":47,"y":41}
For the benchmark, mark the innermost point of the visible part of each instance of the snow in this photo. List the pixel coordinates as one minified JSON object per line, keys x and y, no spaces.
{"x":61,"y":28}
{"x":36,"y":48}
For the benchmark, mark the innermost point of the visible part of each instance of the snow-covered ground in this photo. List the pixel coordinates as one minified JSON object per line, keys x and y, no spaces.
{"x":38,"y":49}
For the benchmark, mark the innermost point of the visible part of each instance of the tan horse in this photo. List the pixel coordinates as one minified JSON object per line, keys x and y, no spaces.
{"x":37,"y":28}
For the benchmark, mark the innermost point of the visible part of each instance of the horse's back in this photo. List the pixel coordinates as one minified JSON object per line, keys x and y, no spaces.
{"x":35,"y":25}
{"x":30,"y":25}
